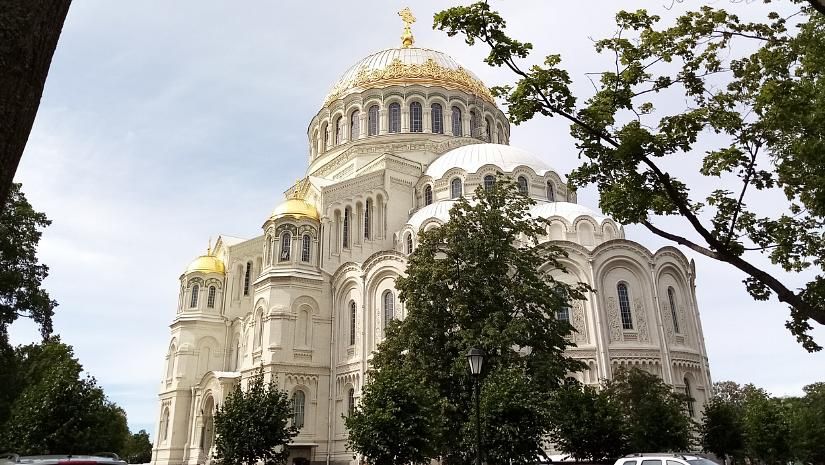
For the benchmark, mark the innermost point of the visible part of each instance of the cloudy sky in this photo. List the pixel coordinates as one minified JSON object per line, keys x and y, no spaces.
{"x":166,"y":123}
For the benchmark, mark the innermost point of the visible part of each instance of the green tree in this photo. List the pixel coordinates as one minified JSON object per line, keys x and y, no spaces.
{"x":587,"y":424}
{"x":58,"y":411}
{"x":653,"y":413}
{"x":753,"y":93}
{"x":21,"y":275}
{"x":807,"y":425}
{"x":477,"y":281}
{"x":254,"y":424}
{"x":767,"y":430}
{"x":721,"y":431}
{"x":138,"y":448}
{"x":395,"y":421}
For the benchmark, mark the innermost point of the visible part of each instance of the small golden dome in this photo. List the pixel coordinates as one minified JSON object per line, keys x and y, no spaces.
{"x":206,"y":264}
{"x":297,"y":209}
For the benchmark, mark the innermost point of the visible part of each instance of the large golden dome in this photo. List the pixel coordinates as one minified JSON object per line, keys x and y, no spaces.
{"x":405,"y":66}
{"x":206,"y":264}
{"x":296,"y":208}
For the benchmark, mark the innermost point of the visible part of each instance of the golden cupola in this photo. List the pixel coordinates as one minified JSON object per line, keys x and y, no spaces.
{"x":407,"y":65}
{"x":207,"y":264}
{"x":297,"y":209}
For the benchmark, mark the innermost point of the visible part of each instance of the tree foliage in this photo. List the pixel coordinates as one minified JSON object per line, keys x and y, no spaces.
{"x":56,"y":410}
{"x":587,"y":424}
{"x":744,"y":422}
{"x":21,"y":275}
{"x":138,"y":448}
{"x":481,"y":281}
{"x":759,"y":88}
{"x":254,"y":425}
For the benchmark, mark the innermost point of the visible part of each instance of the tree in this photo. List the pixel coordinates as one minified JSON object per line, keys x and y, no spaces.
{"x":57,"y":411}
{"x":807,"y":425}
{"x":767,"y":430}
{"x":254,"y":424}
{"x":721,"y":431}
{"x":138,"y":448}
{"x":21,"y":276}
{"x":28,"y":37}
{"x":395,"y":421}
{"x":757,"y":87}
{"x":587,"y":424}
{"x":653,"y":414}
{"x":481,"y":281}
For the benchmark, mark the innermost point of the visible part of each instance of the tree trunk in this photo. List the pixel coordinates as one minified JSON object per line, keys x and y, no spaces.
{"x":29,"y":30}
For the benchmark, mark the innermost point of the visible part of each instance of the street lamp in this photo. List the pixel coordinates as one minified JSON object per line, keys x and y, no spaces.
{"x":475,"y":357}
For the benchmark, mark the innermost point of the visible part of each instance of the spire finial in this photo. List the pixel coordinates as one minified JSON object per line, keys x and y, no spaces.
{"x":407,"y":39}
{"x":209,"y":247}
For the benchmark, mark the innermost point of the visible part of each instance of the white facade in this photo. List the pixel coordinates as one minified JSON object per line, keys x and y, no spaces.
{"x":307,"y":300}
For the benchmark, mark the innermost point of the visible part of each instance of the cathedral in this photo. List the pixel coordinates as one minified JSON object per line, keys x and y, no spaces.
{"x":401,"y":135}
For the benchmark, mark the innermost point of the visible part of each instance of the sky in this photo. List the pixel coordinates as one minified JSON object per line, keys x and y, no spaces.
{"x":164,"y":124}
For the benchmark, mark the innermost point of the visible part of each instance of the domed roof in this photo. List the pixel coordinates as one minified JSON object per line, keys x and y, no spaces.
{"x":408,"y":65}
{"x":206,"y":264}
{"x":472,"y":157}
{"x":569,"y":211}
{"x":296,"y":208}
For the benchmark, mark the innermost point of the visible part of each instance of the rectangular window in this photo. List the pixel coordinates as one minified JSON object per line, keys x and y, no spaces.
{"x":210,"y":298}
{"x":345,"y":241}
{"x":306,"y":246}
{"x":352,"y":313}
{"x":246,"y":277}
{"x":563,"y":314}
{"x":367,"y":218}
{"x":651,"y":462}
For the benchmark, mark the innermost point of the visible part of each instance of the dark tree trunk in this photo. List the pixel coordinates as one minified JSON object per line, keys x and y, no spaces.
{"x":819,"y":5}
{"x":29,"y":30}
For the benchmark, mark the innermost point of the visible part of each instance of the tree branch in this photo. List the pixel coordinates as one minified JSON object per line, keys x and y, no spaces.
{"x":746,"y":183}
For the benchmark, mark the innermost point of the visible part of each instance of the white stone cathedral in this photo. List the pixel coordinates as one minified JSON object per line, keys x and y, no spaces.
{"x":401,"y":135}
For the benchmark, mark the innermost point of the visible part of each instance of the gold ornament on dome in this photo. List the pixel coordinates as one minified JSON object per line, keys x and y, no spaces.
{"x":407,"y":38}
{"x":400,"y":73}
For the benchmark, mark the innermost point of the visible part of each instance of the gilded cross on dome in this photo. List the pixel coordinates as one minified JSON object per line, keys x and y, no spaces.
{"x":408,"y":18}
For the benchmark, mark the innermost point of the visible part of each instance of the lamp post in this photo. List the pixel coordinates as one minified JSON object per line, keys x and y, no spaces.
{"x":475,"y":357}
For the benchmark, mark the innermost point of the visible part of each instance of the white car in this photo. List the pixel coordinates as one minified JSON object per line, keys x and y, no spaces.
{"x":98,"y":459}
{"x":663,"y":459}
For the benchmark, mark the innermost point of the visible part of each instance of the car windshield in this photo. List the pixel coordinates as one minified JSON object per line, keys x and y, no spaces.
{"x":701,"y":461}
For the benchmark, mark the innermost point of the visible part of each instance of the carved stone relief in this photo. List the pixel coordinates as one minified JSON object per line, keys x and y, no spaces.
{"x":613,"y":320}
{"x":579,"y":322}
{"x":640,"y":315}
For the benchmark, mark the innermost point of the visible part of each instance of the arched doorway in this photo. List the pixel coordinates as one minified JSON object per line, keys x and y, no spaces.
{"x":208,"y":422}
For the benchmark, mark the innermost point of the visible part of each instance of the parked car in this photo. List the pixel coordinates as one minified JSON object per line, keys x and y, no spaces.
{"x":663,"y":459}
{"x":103,"y":458}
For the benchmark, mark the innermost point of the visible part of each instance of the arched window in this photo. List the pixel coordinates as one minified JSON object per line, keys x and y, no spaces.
{"x":624,"y":306}
{"x":416,"y":118}
{"x":347,"y":213}
{"x":247,"y":277}
{"x":306,"y":248}
{"x":210,"y":297}
{"x":456,"y":117}
{"x":671,"y":297}
{"x":339,"y":131}
{"x":170,"y":362}
{"x":428,"y":195}
{"x":298,"y":403}
{"x":395,"y":117}
{"x":488,"y":130}
{"x":522,"y":185}
{"x":474,"y":124}
{"x":352,"y":314}
{"x":325,"y":138}
{"x":350,"y":401}
{"x":354,"y":125}
{"x":286,"y":246}
{"x":489,"y":181}
{"x":164,"y":424}
{"x":193,"y":302}
{"x":389,"y":307}
{"x":437,"y":118}
{"x":563,"y":314}
{"x":455,"y":188}
{"x":689,"y":393}
{"x":500,"y":136}
{"x":259,"y":329}
{"x":551,"y":192}
{"x":367,"y":218}
{"x":408,"y":243}
{"x":372,"y":121}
